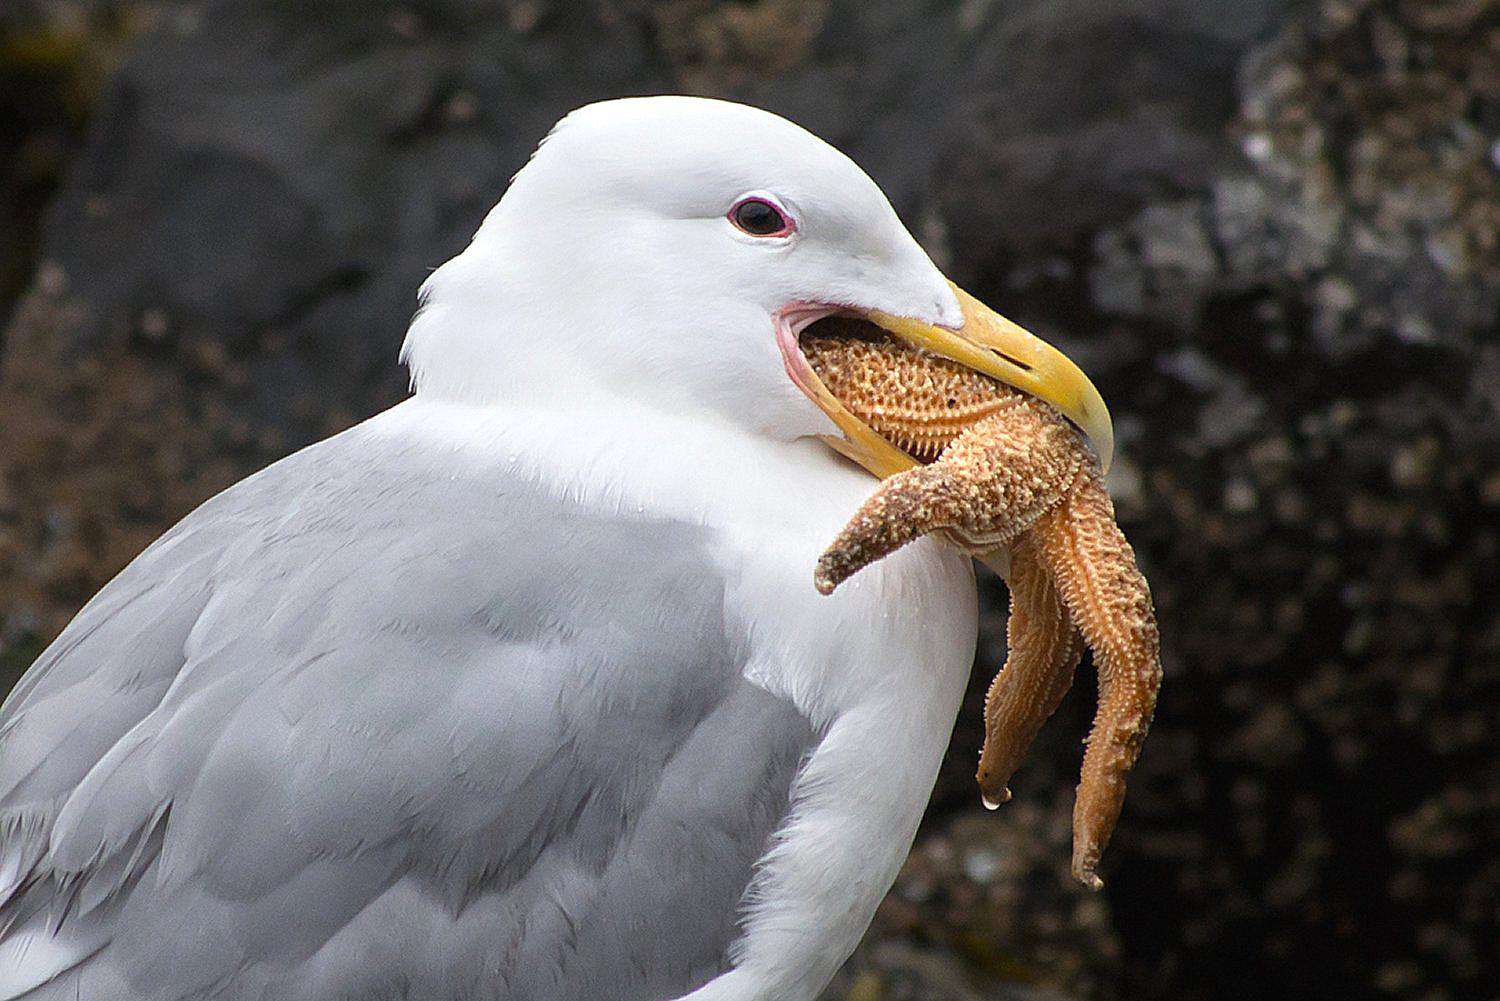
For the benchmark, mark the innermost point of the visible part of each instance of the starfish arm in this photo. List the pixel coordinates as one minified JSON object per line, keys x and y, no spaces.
{"x":989,"y":486}
{"x":1043,"y":649}
{"x":904,"y":508}
{"x":1096,"y":574}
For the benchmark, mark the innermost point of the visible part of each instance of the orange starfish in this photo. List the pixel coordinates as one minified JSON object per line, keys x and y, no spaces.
{"x":1004,"y":469}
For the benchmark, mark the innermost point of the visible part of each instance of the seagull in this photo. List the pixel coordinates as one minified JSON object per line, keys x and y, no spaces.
{"x":521,"y":689}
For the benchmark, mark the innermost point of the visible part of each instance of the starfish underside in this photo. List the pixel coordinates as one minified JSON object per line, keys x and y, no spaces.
{"x":1003,"y":469}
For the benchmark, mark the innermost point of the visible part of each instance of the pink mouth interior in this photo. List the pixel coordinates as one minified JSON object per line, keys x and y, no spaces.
{"x":790,"y":322}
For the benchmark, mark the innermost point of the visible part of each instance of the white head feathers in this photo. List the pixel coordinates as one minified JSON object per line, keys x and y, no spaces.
{"x":610,"y":268}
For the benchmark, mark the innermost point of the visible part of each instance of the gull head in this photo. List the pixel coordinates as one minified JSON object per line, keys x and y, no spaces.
{"x":669,"y":251}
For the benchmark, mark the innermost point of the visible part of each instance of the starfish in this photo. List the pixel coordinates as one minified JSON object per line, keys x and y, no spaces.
{"x":1003,"y":469}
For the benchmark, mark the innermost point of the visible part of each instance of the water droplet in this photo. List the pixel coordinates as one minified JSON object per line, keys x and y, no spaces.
{"x":994,"y":804}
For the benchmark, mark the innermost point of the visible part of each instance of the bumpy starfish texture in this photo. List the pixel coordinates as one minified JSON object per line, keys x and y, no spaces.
{"x":1004,"y":469}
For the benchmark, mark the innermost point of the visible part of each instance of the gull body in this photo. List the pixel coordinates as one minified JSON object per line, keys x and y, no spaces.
{"x":521,"y":689}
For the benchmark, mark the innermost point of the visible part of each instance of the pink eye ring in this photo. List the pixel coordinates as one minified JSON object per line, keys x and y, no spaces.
{"x":760,"y":217}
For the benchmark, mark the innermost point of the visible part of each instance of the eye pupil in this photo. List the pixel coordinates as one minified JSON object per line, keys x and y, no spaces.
{"x":758,"y":218}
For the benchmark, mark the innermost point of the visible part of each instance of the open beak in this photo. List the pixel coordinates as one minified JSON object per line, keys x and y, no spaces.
{"x":987,"y":343}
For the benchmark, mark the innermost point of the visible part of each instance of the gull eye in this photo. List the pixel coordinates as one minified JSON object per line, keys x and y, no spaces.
{"x":759,"y":217}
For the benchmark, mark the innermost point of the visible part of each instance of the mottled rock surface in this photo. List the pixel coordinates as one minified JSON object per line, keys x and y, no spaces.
{"x":1272,"y":233}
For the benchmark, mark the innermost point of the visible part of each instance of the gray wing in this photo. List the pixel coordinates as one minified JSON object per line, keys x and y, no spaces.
{"x":353,"y":731}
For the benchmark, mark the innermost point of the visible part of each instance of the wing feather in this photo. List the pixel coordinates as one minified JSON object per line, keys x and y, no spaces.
{"x":352,"y":724}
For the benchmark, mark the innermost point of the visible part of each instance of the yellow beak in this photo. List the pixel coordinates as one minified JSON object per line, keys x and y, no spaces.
{"x":988,"y":343}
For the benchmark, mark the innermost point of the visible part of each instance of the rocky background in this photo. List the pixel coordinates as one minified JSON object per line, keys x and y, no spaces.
{"x":1270,"y":230}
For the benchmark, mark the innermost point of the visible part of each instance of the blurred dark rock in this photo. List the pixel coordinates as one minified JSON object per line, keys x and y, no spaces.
{"x":1271,"y":232}
{"x":54,"y":58}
